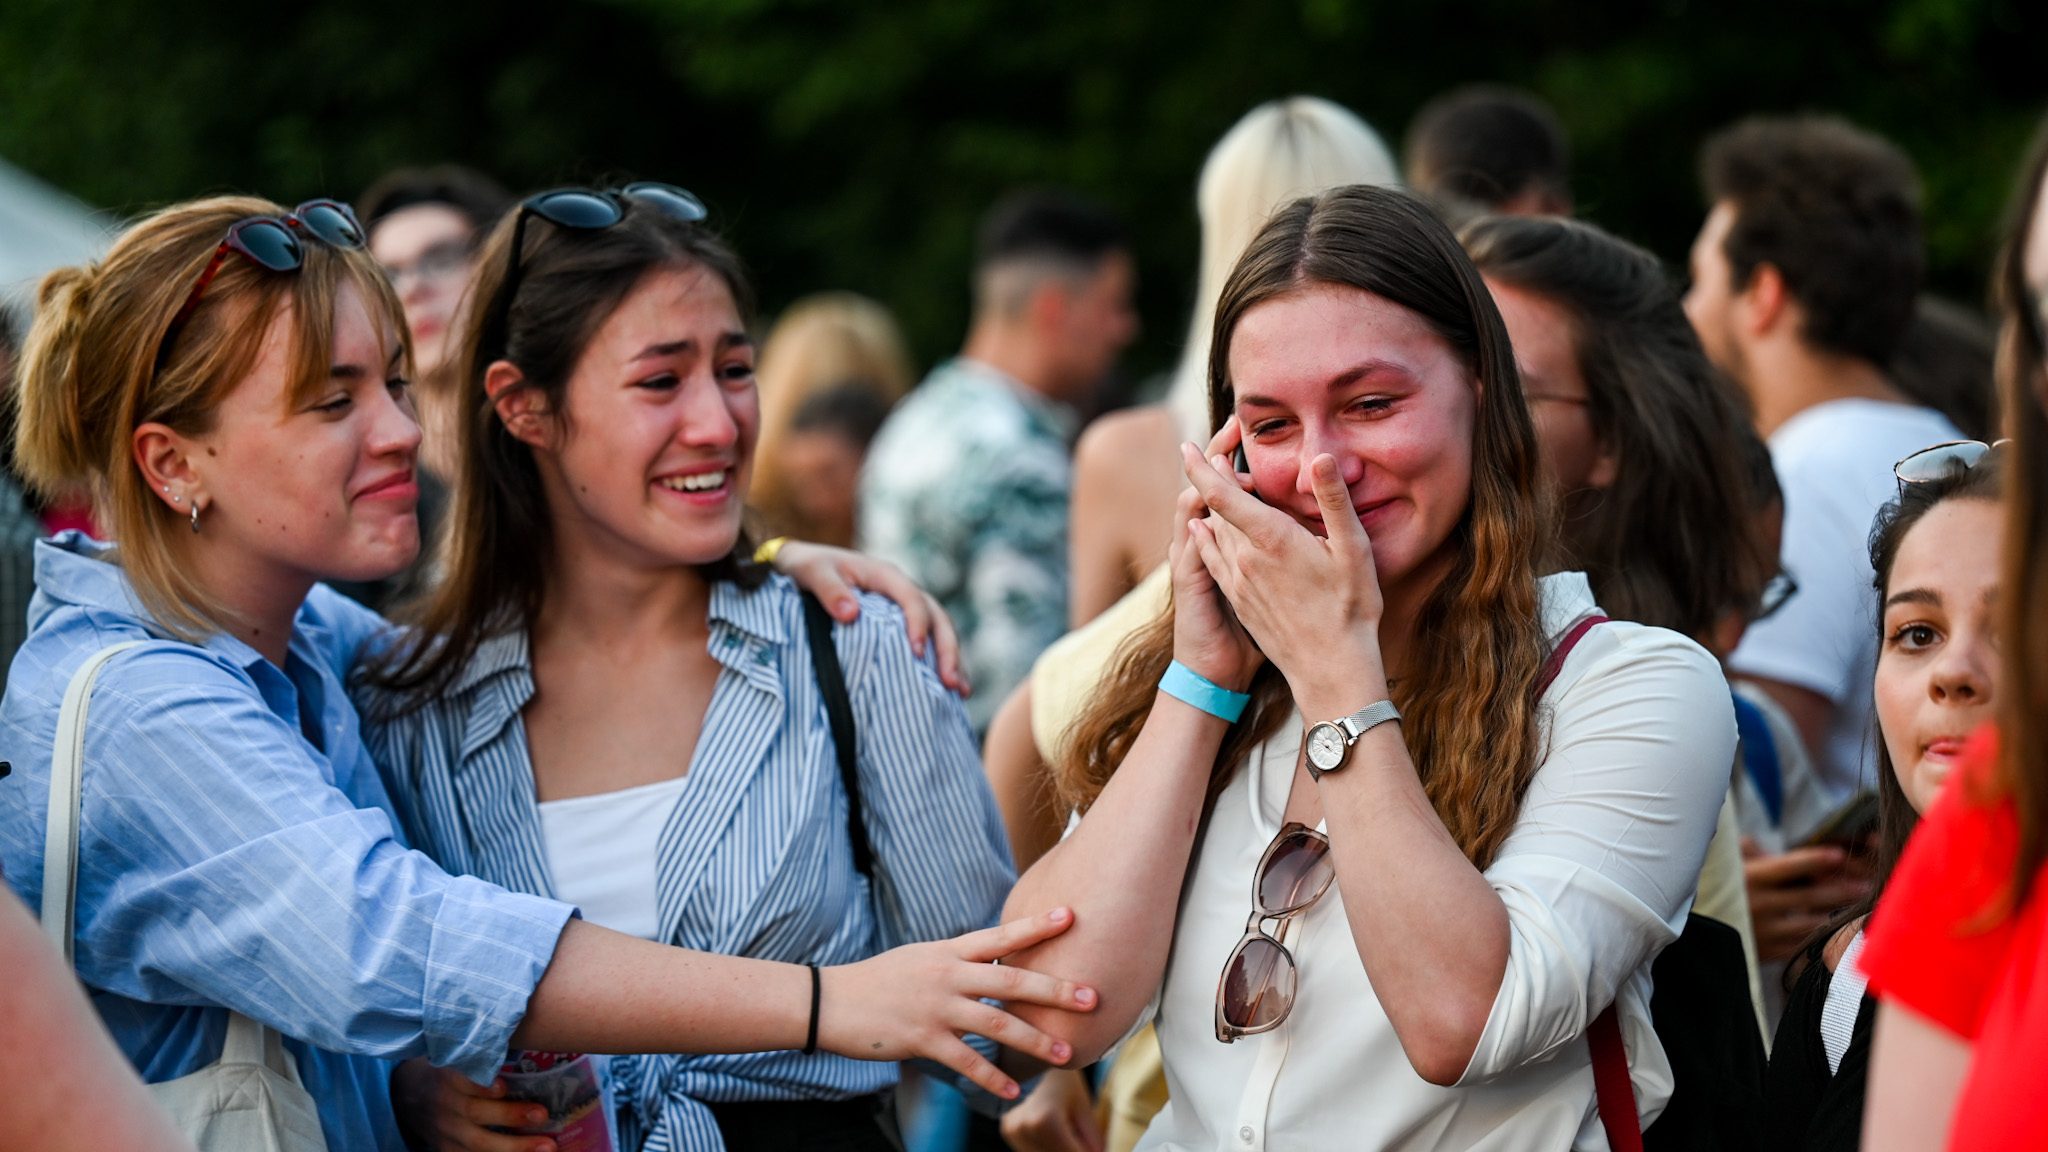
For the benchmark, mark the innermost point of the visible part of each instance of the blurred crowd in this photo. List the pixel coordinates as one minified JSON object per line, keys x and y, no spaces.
{"x":471,"y":683}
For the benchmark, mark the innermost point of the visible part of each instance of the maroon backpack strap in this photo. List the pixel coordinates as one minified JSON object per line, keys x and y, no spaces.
{"x":1554,"y":663}
{"x":1611,"y":1087}
{"x":1612,"y":1090}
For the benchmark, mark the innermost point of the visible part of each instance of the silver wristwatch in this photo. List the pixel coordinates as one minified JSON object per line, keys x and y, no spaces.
{"x":1330,"y":741}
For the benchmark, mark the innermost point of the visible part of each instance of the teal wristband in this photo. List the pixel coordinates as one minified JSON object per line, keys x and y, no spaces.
{"x":1191,"y":687}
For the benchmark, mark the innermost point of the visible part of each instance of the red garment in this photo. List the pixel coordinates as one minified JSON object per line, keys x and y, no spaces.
{"x":59,"y":517}
{"x":1938,"y":944}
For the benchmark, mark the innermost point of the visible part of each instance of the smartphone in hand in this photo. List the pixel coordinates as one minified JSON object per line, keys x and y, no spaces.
{"x":1848,"y":826}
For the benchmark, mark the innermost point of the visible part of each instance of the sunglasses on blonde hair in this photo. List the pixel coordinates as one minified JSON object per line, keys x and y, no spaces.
{"x":270,"y":242}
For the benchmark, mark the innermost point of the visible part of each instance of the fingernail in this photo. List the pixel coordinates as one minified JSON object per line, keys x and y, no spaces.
{"x":1058,"y":915}
{"x":536,"y":1118}
{"x":846,"y":606}
{"x":1060,"y":1052}
{"x":1009,"y":1091}
{"x":1084,"y":996}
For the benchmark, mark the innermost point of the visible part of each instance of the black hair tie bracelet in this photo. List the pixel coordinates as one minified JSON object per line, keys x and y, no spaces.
{"x":811,"y":1034}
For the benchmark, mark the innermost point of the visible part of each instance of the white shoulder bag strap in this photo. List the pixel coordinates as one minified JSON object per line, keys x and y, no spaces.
{"x":67,"y":788}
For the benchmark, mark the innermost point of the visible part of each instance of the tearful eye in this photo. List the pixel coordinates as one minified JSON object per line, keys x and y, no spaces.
{"x":661,"y":383}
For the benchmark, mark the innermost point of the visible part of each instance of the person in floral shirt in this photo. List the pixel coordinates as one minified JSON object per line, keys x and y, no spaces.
{"x":966,"y":486}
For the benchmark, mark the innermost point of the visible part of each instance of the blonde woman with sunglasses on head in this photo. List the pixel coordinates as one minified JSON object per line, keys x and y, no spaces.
{"x":230,"y":382}
{"x":1393,"y":929}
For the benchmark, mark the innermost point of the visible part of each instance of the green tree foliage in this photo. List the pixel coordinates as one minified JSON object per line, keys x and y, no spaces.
{"x":854,"y":145}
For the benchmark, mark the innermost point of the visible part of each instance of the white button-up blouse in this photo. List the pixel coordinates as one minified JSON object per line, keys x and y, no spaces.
{"x":1597,"y":876}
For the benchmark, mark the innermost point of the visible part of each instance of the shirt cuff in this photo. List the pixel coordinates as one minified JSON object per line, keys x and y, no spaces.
{"x":488,"y":952}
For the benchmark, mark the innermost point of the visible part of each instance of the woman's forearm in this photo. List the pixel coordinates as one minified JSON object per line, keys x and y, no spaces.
{"x":1121,"y":871}
{"x":1431,"y":932}
{"x":605,"y":991}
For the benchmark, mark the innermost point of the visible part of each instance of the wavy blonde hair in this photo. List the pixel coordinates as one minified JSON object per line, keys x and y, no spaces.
{"x":1468,"y":696}
{"x":90,"y":376}
{"x":1279,"y":151}
{"x":825,"y":341}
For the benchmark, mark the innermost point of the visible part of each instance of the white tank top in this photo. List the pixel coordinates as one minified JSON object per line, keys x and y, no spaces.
{"x":601,"y":853}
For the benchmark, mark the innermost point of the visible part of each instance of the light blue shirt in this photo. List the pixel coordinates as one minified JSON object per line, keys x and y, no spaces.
{"x":237,"y":849}
{"x":755,"y":860}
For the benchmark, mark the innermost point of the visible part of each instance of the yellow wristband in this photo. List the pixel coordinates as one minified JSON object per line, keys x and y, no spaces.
{"x":769,"y":550}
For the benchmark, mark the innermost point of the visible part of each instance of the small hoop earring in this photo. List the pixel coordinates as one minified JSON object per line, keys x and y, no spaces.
{"x":195,"y":517}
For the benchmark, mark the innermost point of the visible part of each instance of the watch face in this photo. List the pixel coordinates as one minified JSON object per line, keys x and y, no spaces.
{"x":1326,"y":747}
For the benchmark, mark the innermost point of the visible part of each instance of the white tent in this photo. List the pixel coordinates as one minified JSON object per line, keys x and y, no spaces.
{"x":42,"y":228}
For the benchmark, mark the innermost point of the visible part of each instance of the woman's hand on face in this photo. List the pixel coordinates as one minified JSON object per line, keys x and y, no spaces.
{"x":832,"y":574}
{"x":920,"y":999}
{"x":1304,"y":599}
{"x":1206,"y":635}
{"x":441,"y":1110}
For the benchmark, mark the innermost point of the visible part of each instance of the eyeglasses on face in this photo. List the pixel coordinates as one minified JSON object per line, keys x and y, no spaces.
{"x":270,"y":242}
{"x":445,"y":261}
{"x":1780,"y":588}
{"x":584,"y":210}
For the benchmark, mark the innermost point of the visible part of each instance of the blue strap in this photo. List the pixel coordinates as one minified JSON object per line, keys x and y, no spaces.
{"x":1760,"y":757}
{"x":1191,"y":687}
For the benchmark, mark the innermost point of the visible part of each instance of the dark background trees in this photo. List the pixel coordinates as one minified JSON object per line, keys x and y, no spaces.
{"x":853,"y":145}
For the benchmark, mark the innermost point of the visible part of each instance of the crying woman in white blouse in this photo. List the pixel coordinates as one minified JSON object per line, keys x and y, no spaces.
{"x":1378,"y":823}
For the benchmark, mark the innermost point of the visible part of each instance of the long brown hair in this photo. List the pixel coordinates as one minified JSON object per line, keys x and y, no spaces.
{"x":2023,"y":695}
{"x":1669,"y":542}
{"x":90,"y":374}
{"x":1896,"y":817}
{"x":1468,"y":696}
{"x":500,"y":533}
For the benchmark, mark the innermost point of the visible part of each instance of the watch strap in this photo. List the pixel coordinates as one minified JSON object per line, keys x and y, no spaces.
{"x":1367,"y":718}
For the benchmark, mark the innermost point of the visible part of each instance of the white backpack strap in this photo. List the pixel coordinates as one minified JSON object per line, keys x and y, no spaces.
{"x":60,"y":838}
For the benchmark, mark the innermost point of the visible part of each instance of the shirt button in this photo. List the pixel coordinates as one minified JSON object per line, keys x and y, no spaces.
{"x":1245,"y":1133}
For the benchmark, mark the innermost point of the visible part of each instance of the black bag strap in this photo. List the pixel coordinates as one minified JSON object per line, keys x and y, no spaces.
{"x":839,"y":712}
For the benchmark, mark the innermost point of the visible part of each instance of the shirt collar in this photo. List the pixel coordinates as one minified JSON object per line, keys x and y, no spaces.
{"x":1566,"y":597}
{"x":750,"y":613}
{"x":74,"y":570}
{"x":1062,"y":418}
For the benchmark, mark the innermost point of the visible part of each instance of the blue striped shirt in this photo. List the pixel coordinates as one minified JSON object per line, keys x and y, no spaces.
{"x":237,"y":850}
{"x":755,"y":860}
